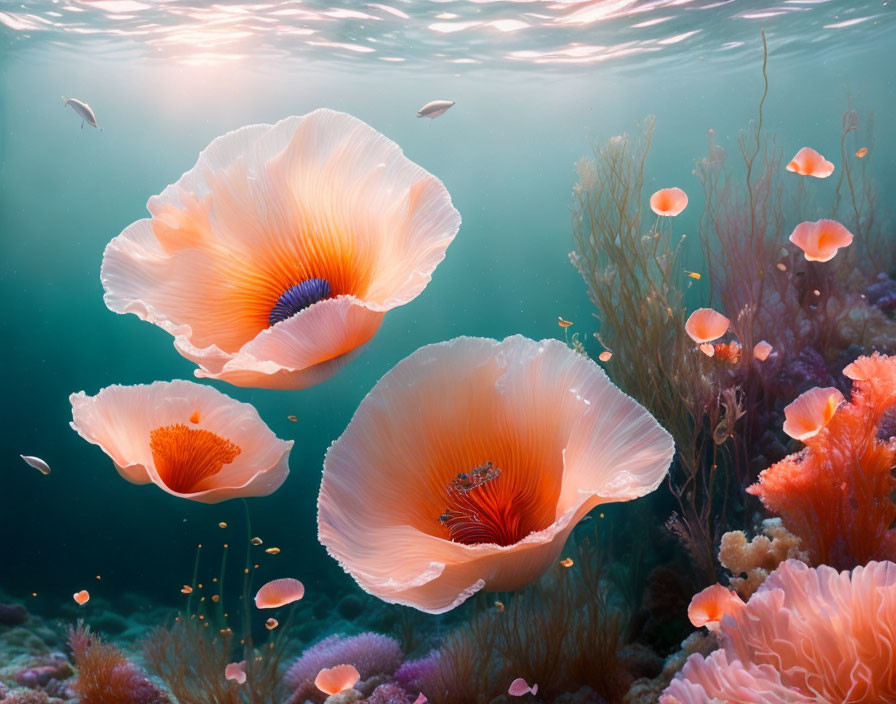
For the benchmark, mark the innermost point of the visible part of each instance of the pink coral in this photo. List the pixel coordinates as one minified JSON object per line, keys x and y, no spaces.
{"x":835,"y":493}
{"x":807,"y":636}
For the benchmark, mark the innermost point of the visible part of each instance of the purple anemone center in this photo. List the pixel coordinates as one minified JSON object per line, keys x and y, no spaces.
{"x":299,"y":297}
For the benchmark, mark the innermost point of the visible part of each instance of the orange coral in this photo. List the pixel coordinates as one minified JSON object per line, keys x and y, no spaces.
{"x":835,"y":493}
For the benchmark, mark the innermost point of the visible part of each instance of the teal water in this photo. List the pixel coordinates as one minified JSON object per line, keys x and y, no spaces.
{"x":505,"y":152}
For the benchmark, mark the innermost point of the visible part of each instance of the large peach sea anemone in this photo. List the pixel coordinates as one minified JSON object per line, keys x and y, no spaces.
{"x":276,"y":256}
{"x":469,"y":463}
{"x":188,"y":439}
{"x":807,"y":636}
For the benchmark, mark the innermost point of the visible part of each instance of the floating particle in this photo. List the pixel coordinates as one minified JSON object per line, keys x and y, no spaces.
{"x":294,"y":419}
{"x":434,"y":108}
{"x":34,"y":594}
{"x":601,"y":515}
{"x":693,"y":274}
{"x":499,"y":605}
{"x":605,"y":356}
{"x":279,"y":592}
{"x":271,"y":624}
{"x":272,"y":551}
{"x":98,"y":577}
{"x":215,"y":598}
{"x":225,"y":632}
{"x":707,"y":349}
{"x":186,"y":589}
{"x":81,"y":597}
{"x":761,"y":350}
{"x":222,"y":524}
{"x":567,"y":562}
{"x":563,"y":323}
{"x":256,"y":541}
{"x":862,"y":152}
{"x":37,"y":463}
{"x":194,"y":418}
{"x":816,"y":292}
{"x":781,"y":266}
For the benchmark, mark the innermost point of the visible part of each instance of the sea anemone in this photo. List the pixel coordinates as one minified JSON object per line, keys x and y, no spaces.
{"x":275,"y":258}
{"x":669,"y":202}
{"x":820,"y":240}
{"x":806,"y":636}
{"x":469,"y":463}
{"x":808,"y":162}
{"x":189,"y":440}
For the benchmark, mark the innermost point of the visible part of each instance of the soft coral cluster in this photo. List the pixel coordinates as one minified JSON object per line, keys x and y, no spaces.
{"x":835,"y":493}
{"x":808,"y":636}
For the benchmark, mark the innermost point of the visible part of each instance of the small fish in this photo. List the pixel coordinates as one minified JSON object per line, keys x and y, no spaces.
{"x":435,"y":108}
{"x":37,"y":463}
{"x":862,"y":152}
{"x":519,"y":687}
{"x":294,"y":419}
{"x":82,"y":110}
{"x":693,"y":274}
{"x":81,"y":597}
{"x":563,"y":323}
{"x":567,"y":562}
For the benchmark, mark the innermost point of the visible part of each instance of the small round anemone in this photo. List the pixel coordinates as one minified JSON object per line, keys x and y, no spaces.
{"x":275,"y":258}
{"x":469,"y":463}
{"x":190,"y":440}
{"x":807,"y":636}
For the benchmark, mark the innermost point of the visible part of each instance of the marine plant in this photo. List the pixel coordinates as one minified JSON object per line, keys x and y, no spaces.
{"x":275,"y":258}
{"x":836,"y":493}
{"x":635,"y":280}
{"x":808,"y":635}
{"x":105,"y":675}
{"x":190,"y":440}
{"x":494,"y":451}
{"x":562,"y":633}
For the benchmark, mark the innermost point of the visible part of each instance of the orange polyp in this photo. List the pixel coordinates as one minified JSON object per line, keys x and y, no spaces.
{"x":484,"y":507}
{"x":185,"y":456}
{"x":195,"y":417}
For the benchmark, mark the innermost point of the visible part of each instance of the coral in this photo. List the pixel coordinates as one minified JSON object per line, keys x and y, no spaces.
{"x":370,"y":653}
{"x":413,"y":673}
{"x":389,"y":693}
{"x":751,"y":562}
{"x":560,"y":633}
{"x":806,"y":636}
{"x":13,"y":614}
{"x":105,"y":676}
{"x":28,"y":697}
{"x":647,"y":691}
{"x":40,"y":674}
{"x":835,"y":494}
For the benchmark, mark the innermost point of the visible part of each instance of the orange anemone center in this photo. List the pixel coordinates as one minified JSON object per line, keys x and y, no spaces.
{"x":184,"y":456}
{"x":484,"y":509}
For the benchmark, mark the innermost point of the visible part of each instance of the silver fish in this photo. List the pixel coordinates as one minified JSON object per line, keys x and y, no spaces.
{"x":434,"y":109}
{"x":82,"y":110}
{"x":37,"y":463}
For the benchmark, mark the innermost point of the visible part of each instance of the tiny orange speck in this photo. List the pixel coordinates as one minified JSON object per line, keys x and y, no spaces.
{"x":256,"y":541}
{"x":862,"y":152}
{"x":605,"y":356}
{"x":194,"y":418}
{"x":294,"y":419}
{"x":81,"y":597}
{"x":499,"y":605}
{"x":272,"y":551}
{"x":781,"y":266}
{"x":271,"y":624}
{"x":567,"y":562}
{"x":693,"y":274}
{"x":186,"y":589}
{"x":222,"y":524}
{"x":563,"y":323}
{"x":215,"y":598}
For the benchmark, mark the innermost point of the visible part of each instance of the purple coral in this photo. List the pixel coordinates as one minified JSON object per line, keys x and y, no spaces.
{"x":370,"y":653}
{"x":389,"y":693}
{"x":882,"y":293}
{"x":413,"y":673}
